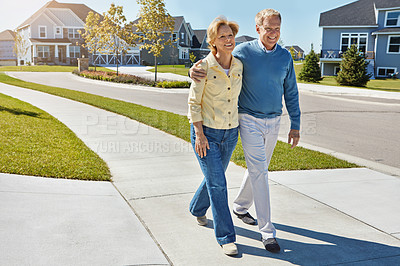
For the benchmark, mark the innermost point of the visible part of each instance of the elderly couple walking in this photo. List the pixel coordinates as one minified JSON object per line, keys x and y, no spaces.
{"x":240,"y":89}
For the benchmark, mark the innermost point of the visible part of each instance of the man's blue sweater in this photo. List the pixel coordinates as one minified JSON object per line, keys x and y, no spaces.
{"x":266,"y":77}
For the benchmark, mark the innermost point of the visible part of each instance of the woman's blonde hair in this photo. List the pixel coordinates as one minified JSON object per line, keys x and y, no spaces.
{"x":212,"y":30}
{"x":260,"y":17}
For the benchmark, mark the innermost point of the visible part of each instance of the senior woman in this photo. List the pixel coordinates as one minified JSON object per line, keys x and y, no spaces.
{"x":213,"y":116}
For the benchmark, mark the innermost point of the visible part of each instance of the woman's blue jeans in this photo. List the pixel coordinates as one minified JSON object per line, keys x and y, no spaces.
{"x":213,"y":191}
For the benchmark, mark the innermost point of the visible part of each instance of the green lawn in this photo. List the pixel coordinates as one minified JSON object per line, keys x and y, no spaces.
{"x":373,"y":84}
{"x":175,"y":69}
{"x":376,"y":84}
{"x":284,"y":158}
{"x":45,"y":68}
{"x":32,"y":142}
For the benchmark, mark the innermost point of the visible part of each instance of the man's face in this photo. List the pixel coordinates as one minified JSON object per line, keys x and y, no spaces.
{"x":269,"y":31}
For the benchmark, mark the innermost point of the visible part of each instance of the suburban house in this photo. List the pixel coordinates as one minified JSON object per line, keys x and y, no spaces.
{"x":52,"y":34}
{"x":200,"y":44}
{"x":298,"y":52}
{"x":184,"y":39}
{"x":7,"y":56}
{"x":243,"y":38}
{"x":372,"y":25}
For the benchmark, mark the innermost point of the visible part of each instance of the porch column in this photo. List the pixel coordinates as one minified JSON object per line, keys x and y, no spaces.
{"x":67,"y":50}
{"x":34,"y":51}
{"x":56,"y":51}
{"x":322,"y":69}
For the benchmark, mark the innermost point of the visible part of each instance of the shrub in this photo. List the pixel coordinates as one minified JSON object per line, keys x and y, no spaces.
{"x":112,"y":76}
{"x":353,"y":69}
{"x":311,"y":71}
{"x":173,"y":84}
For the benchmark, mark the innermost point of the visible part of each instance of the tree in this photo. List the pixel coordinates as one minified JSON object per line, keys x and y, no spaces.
{"x":115,"y":33}
{"x":92,"y":34}
{"x":153,"y":23}
{"x":353,"y":68}
{"x":311,"y":72}
{"x":21,"y":46}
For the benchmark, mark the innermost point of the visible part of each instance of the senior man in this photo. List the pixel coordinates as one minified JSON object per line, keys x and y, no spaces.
{"x":268,"y":74}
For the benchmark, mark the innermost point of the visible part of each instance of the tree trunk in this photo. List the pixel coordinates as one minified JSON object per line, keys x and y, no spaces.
{"x":117,"y":62}
{"x":94,"y":61}
{"x":155,"y":73}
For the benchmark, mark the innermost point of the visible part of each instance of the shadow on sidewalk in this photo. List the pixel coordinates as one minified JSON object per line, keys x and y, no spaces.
{"x":331,"y":249}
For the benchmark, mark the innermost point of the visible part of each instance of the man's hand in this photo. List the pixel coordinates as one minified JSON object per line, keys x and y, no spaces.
{"x":196,"y":73}
{"x":294,"y":135}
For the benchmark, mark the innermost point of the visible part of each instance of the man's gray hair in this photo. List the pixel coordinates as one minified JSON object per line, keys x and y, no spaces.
{"x":269,"y":12}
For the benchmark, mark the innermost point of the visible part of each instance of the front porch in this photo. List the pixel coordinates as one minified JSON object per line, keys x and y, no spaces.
{"x":55,"y":52}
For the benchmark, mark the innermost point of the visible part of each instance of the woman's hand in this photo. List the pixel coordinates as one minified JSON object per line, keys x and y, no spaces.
{"x":201,"y":144}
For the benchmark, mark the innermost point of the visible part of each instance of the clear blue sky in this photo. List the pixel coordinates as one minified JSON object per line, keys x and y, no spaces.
{"x":299,"y":18}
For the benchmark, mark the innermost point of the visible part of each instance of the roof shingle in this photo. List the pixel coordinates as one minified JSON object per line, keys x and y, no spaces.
{"x":80,"y":10}
{"x":7,"y":35}
{"x":358,"y":13}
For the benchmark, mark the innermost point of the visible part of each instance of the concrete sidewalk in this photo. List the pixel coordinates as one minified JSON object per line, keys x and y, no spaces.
{"x":323,"y":217}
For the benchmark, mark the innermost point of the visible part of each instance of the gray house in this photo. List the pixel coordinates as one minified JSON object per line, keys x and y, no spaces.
{"x":7,"y":56}
{"x":372,"y":25}
{"x":184,"y":41}
{"x":243,"y":38}
{"x":200,"y":44}
{"x":298,"y":52}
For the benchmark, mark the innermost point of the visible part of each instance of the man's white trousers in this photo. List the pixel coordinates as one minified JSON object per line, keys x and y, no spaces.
{"x":259,"y":137}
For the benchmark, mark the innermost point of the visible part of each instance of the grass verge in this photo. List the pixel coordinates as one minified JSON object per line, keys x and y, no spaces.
{"x":373,"y":84}
{"x":283,"y":158}
{"x":32,"y":142}
{"x":175,"y":69}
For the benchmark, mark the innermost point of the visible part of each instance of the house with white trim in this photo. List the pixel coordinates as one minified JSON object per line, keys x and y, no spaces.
{"x":52,"y":34}
{"x":372,"y":25}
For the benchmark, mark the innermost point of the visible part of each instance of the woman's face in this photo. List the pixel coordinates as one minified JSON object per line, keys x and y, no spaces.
{"x":225,"y":40}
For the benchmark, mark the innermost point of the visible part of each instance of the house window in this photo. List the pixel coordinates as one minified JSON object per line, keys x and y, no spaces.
{"x":386,"y":71}
{"x":359,"y":39}
{"x":74,"y":51}
{"x":73,"y":34}
{"x":58,"y":30}
{"x":183,"y":53}
{"x":393,"y":45}
{"x":173,"y":37}
{"x":182,"y":37}
{"x":393,"y":19}
{"x":42,"y":32}
{"x":43,"y":51}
